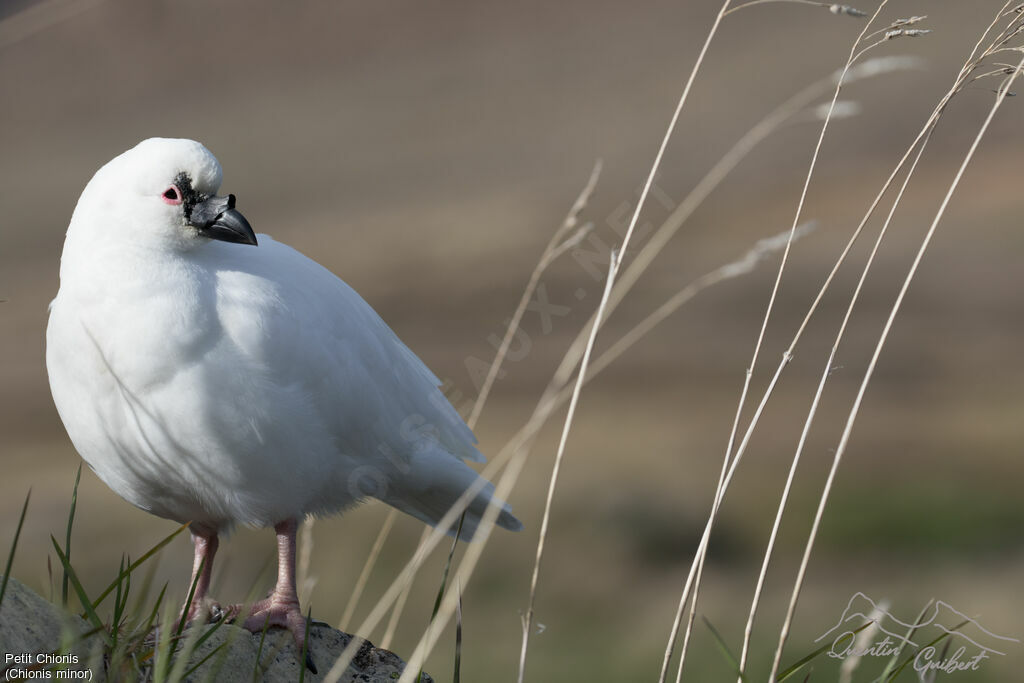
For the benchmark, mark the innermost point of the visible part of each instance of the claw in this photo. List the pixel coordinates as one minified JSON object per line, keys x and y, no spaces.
{"x":208,"y":612}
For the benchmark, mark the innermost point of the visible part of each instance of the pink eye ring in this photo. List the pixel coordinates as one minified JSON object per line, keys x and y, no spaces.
{"x":172,"y":195}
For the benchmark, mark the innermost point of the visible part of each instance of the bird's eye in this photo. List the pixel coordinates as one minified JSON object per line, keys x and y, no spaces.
{"x":172,"y":195}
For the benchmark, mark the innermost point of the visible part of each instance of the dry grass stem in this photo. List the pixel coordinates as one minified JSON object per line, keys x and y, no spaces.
{"x":925,"y":134}
{"x":925,"y":131}
{"x":546,"y":404}
{"x":746,"y":264}
{"x":558,"y":244}
{"x":515,"y":451}
{"x":834,"y":8}
{"x":851,"y":418}
{"x":668,"y":133}
{"x":699,"y":558}
{"x":39,"y":17}
{"x":769,"y":551}
{"x":862,"y":642}
{"x":475,"y":550}
{"x":403,"y":596}
{"x":562,"y":374}
{"x":782,"y":115}
{"x":528,"y":619}
{"x":364,"y":575}
{"x":581,"y":362}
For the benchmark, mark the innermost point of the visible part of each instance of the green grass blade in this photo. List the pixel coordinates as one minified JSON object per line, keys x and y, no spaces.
{"x":67,"y":536}
{"x":63,"y":649}
{"x":156,"y":608}
{"x":137,"y":563}
{"x":206,"y":635}
{"x":259,"y":650}
{"x":909,"y":659}
{"x":726,"y":652}
{"x":457,"y":671}
{"x":14,"y":546}
{"x":115,"y":620}
{"x":90,"y":612}
{"x":120,"y":615}
{"x":121,"y":611}
{"x":942,"y":657}
{"x":49,"y":578}
{"x":210,"y":631}
{"x":142,"y":594}
{"x":802,"y":662}
{"x":444,"y":579}
{"x":191,"y":594}
{"x":891,"y":664}
{"x":84,"y":636}
{"x":213,"y":675}
{"x":182,"y":648}
{"x":304,"y":658}
{"x":447,"y":568}
{"x":202,"y":661}
{"x":163,"y":649}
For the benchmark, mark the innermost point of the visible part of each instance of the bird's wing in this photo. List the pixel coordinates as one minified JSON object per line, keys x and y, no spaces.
{"x":374,"y":393}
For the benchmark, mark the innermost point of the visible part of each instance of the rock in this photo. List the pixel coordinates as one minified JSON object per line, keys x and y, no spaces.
{"x":30,"y":625}
{"x":236,"y":662}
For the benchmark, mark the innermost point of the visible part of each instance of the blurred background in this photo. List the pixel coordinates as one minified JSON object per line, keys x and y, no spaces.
{"x":425,"y":152}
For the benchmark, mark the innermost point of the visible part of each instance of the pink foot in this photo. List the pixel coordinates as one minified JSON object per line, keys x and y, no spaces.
{"x":281,"y":608}
{"x":282,"y":611}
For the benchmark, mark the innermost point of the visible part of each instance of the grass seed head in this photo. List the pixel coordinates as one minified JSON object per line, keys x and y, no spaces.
{"x":907,"y":22}
{"x":907,"y":33}
{"x":836,"y":8}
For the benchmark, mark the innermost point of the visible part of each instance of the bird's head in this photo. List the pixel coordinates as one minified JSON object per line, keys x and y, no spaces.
{"x":162,"y":192}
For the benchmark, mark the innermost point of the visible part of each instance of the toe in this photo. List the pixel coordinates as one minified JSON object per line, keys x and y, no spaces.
{"x":298,"y":625}
{"x":246,"y":610}
{"x":283,"y":615}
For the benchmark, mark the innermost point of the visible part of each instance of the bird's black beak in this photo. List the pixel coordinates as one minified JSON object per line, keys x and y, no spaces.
{"x":217,"y":219}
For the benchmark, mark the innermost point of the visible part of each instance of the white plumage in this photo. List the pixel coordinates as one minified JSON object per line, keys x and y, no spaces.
{"x":211,"y":381}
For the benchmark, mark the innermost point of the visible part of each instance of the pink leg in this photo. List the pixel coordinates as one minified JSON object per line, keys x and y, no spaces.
{"x":202,"y":569}
{"x":282,"y":607}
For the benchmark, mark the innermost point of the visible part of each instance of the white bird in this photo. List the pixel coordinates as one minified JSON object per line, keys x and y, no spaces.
{"x":212,"y":381}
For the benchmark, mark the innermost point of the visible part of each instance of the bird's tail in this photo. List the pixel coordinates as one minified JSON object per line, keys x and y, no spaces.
{"x":433,"y":484}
